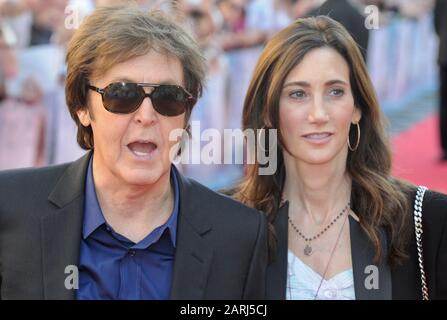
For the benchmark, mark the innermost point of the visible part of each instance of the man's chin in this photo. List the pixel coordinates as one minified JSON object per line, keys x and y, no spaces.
{"x":144,"y":176}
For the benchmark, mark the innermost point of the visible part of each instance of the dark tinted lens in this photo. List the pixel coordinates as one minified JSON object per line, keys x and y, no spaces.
{"x":123,"y":97}
{"x":169,"y":100}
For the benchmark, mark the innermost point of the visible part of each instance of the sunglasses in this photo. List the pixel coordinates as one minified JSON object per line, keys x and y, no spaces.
{"x":126,"y":97}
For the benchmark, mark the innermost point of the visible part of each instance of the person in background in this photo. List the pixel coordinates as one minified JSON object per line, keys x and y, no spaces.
{"x":342,"y":11}
{"x":22,"y":114}
{"x":440,"y":19}
{"x":3,"y":51}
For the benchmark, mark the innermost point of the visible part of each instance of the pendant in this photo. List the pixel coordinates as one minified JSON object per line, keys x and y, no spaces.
{"x":308,"y":250}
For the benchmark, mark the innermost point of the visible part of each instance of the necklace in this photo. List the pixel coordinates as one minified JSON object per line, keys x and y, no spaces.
{"x":330,"y":258}
{"x":308,"y":248}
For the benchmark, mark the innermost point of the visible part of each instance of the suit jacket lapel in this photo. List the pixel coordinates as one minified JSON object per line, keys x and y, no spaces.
{"x":277,"y":269}
{"x":193,"y":255}
{"x":61,"y":230}
{"x":363,"y":267}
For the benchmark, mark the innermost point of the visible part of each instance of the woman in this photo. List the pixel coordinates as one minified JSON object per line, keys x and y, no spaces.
{"x":341,"y":226}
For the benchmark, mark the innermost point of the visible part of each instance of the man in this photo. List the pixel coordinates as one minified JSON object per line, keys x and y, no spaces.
{"x":121,"y":222}
{"x":441,"y":31}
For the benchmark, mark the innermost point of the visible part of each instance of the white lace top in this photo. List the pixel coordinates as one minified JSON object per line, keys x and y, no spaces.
{"x":303,"y":282}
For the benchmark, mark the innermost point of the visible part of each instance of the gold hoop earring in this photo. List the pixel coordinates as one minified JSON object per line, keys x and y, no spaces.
{"x":358,"y":139}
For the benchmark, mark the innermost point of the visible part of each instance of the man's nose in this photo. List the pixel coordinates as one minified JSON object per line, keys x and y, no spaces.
{"x":146,"y":113}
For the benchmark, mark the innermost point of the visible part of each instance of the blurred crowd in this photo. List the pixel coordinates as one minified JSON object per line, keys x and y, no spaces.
{"x":36,"y":129}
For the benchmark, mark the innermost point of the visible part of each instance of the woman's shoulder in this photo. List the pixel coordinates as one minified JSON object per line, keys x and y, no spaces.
{"x":434,"y":209}
{"x":434,"y":195}
{"x":435,"y":203}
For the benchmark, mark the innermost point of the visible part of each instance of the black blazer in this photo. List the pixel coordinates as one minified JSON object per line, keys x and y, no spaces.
{"x":402,"y":282}
{"x":221,"y":248}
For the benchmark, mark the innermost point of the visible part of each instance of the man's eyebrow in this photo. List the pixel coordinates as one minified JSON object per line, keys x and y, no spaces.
{"x":122,"y":79}
{"x":125,"y":79}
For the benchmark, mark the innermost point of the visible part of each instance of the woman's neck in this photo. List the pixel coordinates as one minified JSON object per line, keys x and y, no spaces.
{"x":321,"y":191}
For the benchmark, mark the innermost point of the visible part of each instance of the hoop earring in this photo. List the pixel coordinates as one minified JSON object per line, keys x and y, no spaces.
{"x":358,"y":139}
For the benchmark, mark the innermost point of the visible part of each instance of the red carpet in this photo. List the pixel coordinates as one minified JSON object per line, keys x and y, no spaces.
{"x":416,"y":156}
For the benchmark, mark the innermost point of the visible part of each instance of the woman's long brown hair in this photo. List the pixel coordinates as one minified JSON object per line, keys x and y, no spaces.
{"x":378,"y":199}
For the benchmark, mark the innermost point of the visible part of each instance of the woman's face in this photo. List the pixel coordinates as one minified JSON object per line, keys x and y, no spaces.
{"x":316,"y":108}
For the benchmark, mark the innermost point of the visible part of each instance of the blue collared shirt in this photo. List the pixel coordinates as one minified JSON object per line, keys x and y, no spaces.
{"x":112,"y":266}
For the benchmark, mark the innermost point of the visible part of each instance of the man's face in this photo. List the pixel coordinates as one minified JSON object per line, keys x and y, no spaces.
{"x":134,"y":148}
{"x":232,"y":11}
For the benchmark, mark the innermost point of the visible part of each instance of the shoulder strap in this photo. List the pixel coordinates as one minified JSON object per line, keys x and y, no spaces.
{"x":418,"y":230}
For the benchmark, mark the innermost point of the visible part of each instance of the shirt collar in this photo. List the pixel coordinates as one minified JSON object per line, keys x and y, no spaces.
{"x":171,"y":224}
{"x":94,"y":218}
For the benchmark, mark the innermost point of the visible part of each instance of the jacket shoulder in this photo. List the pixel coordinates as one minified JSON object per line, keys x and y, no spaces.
{"x":435,"y":205}
{"x":22,"y":179}
{"x":436,"y":197}
{"x":26,"y":188}
{"x":434,"y":208}
{"x":224,"y":213}
{"x":434,"y":225}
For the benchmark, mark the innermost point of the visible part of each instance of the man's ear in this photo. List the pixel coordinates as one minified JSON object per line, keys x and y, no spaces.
{"x":84,"y":116}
